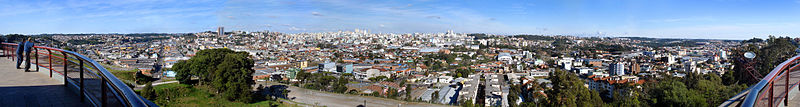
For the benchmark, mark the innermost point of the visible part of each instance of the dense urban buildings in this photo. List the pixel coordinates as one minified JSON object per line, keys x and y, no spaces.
{"x":440,"y":68}
{"x":417,"y":53}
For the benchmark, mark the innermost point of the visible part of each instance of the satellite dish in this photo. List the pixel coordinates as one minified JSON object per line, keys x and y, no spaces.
{"x":749,"y":55}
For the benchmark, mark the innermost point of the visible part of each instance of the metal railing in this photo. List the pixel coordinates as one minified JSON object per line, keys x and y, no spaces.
{"x":774,"y":88}
{"x":92,"y":80}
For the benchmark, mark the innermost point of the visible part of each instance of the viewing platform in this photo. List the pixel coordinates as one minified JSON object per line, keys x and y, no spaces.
{"x":61,"y":78}
{"x":779,"y":88}
{"x":33,"y":89}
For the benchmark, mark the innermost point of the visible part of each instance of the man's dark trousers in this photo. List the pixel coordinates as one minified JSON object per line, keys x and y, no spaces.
{"x":20,"y":49}
{"x":28,"y":48}
{"x":28,"y":60}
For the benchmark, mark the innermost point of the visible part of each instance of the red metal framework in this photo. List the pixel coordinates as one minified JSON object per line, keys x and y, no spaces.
{"x":774,"y":88}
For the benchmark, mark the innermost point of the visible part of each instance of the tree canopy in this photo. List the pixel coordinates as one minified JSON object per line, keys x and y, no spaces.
{"x":768,"y":56}
{"x":14,"y":38}
{"x":226,"y":71}
{"x":568,"y":91}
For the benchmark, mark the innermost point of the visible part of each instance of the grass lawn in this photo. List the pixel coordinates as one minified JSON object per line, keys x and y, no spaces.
{"x":182,"y":95}
{"x":126,"y":76}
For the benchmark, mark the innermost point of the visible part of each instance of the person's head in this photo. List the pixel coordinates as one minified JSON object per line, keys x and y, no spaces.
{"x":30,"y":39}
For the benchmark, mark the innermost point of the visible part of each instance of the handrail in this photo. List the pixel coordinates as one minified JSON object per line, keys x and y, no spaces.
{"x":755,"y":91}
{"x":736,"y":98}
{"x":127,"y":95}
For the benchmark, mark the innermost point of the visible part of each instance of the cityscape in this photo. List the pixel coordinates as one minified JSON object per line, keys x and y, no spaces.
{"x":231,"y":64}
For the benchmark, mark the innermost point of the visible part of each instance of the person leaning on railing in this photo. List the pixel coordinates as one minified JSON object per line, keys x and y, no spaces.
{"x":19,"y":53}
{"x":28,"y":49}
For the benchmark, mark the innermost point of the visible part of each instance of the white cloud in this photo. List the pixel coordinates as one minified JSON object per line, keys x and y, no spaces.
{"x":297,"y":29}
{"x":316,"y":14}
{"x":687,"y":19}
{"x":434,"y":17}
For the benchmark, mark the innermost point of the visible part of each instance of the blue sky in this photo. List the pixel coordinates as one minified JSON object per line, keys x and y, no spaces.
{"x":717,"y":19}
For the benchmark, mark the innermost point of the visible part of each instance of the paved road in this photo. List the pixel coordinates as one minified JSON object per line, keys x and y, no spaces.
{"x":320,"y":98}
{"x":155,"y":84}
{"x":159,"y":83}
{"x":32,"y":89}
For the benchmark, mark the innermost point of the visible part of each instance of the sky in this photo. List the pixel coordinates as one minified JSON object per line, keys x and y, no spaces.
{"x":707,"y":19}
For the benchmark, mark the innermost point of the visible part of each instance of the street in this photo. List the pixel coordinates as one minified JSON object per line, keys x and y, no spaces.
{"x":320,"y":98}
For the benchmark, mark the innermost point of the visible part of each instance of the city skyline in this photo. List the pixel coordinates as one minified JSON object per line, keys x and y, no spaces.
{"x":416,"y":53}
{"x":717,"y":19}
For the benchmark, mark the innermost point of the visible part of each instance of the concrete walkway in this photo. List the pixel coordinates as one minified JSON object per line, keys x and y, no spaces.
{"x":33,"y":89}
{"x":779,"y":92}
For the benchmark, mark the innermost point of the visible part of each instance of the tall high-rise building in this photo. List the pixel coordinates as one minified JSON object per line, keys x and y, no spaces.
{"x":635,"y":68}
{"x":567,"y":65}
{"x":670,"y":59}
{"x":723,"y":54}
{"x":617,"y":68}
{"x":220,"y":31}
{"x":690,"y":66}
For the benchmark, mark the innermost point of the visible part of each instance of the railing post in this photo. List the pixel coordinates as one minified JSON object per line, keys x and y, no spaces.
{"x":8,"y":51}
{"x":103,"y":92}
{"x":786,"y":94}
{"x":771,"y":89}
{"x":65,"y":68}
{"x":80,"y":62}
{"x":14,"y":54}
{"x":50,"y":59}
{"x":4,"y":49}
{"x":36,"y":54}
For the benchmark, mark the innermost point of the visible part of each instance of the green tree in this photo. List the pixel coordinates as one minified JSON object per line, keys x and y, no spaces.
{"x":754,"y":40}
{"x":141,"y":78}
{"x":233,"y":77}
{"x":568,"y":90}
{"x":629,"y":97}
{"x":672,"y":93}
{"x":13,"y":38}
{"x":392,"y":93}
{"x":183,"y":73}
{"x":513,"y":95}
{"x":341,"y":85}
{"x":226,"y":71}
{"x":768,"y":56}
{"x":378,"y":78}
{"x":148,"y":92}
{"x":302,"y":76}
{"x":778,"y":50}
{"x":326,"y":81}
{"x":728,"y":78}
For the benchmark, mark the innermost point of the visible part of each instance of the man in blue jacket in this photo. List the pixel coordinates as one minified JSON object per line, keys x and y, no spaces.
{"x":28,"y":49}
{"x":19,"y":50}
